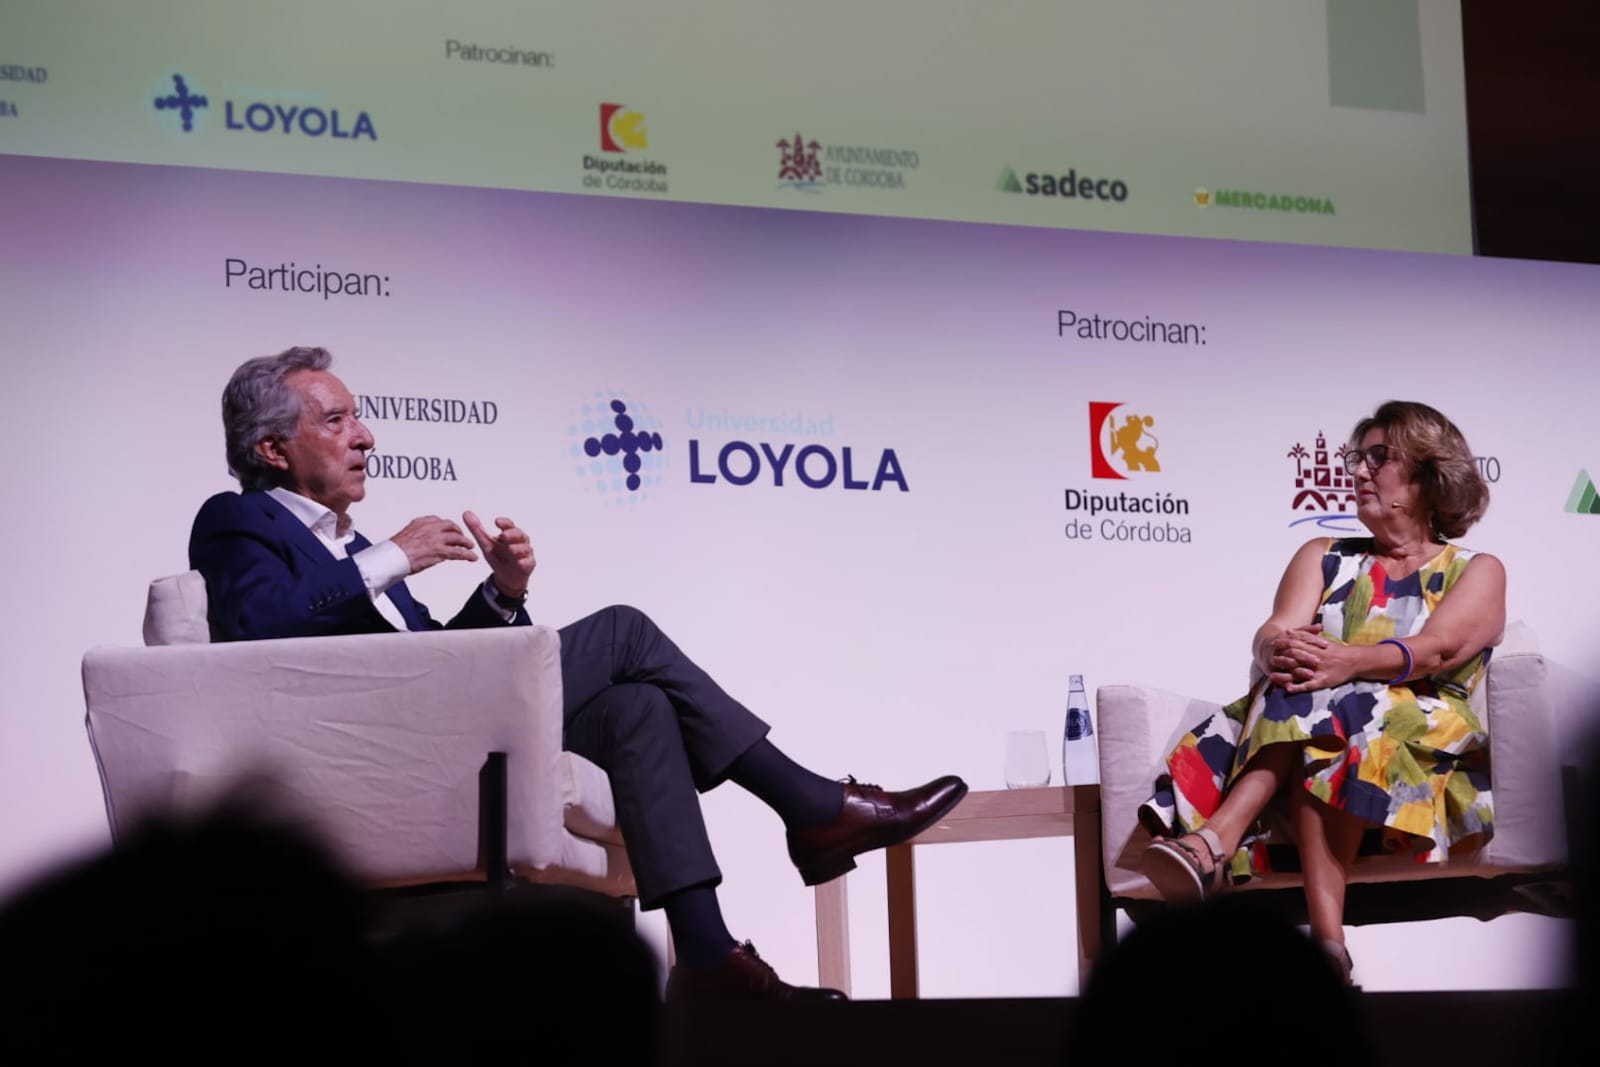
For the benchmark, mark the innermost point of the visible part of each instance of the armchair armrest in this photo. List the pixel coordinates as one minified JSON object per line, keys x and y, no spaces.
{"x":1524,"y":765}
{"x":1139,"y":726}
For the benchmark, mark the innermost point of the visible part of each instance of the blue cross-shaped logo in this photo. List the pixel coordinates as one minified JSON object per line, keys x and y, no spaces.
{"x":181,"y":101}
{"x":627,"y":441}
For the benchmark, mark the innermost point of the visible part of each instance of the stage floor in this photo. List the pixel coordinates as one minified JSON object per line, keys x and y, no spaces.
{"x":1492,"y":1027}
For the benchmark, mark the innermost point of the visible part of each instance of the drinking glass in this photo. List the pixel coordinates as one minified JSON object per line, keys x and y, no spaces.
{"x":1027,"y":764}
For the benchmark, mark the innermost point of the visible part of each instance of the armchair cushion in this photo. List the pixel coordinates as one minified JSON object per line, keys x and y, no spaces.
{"x":587,"y":805}
{"x":175,"y":611}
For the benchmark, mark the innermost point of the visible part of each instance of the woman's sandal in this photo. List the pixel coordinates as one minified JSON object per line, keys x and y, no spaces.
{"x":1178,"y":870}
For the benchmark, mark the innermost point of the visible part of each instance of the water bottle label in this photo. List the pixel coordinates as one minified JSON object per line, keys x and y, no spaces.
{"x":1079,"y":724}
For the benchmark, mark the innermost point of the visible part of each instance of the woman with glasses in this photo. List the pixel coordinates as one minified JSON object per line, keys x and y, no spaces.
{"x":1357,"y":736}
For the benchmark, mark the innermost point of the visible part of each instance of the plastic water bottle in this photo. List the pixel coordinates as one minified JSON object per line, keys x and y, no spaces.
{"x":1080,"y":755}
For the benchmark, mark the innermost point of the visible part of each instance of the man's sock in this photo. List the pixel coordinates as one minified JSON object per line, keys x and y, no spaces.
{"x":800,"y":797}
{"x":700,"y":938}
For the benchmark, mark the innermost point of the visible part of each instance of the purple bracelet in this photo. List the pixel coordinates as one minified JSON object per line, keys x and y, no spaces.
{"x":1403,"y":675}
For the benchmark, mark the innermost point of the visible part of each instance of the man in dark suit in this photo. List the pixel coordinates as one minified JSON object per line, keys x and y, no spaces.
{"x":281,"y":559}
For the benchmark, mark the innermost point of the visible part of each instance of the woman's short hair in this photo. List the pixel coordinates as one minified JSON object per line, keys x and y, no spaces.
{"x":1453,"y":492}
{"x":256,"y":404}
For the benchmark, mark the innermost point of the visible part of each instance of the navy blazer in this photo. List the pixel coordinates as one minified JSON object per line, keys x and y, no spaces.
{"x":267,"y":575}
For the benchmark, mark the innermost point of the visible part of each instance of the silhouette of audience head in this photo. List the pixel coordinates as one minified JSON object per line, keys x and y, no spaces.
{"x":1191,"y":980}
{"x":1581,"y":999}
{"x":227,"y":925}
{"x":558,"y":978}
{"x":236,"y":932}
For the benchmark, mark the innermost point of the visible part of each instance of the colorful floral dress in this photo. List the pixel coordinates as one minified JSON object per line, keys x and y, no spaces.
{"x":1412,"y":759}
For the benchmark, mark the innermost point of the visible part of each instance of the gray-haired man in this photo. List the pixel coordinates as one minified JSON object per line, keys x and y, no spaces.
{"x":281,"y":559}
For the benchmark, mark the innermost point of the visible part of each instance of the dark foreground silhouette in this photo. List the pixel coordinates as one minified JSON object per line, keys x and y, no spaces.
{"x":236,"y":933}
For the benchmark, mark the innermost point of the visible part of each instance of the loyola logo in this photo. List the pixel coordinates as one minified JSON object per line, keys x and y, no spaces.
{"x":625,"y":442}
{"x":183,"y":102}
{"x":258,"y":116}
{"x":815,"y":466}
{"x":618,"y":448}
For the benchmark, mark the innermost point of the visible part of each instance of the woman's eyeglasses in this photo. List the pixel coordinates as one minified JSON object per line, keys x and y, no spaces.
{"x":1374,"y":456}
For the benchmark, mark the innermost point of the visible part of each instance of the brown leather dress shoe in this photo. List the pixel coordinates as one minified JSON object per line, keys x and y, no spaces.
{"x":742,"y":975}
{"x":872,"y":818}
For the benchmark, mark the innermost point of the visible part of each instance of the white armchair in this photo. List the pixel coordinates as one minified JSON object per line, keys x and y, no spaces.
{"x":379,"y":739}
{"x":1140,"y":726}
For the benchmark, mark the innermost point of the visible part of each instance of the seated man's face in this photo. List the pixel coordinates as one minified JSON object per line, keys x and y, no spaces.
{"x":326,"y":459}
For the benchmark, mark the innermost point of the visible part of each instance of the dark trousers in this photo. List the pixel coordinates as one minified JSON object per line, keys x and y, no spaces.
{"x":663,"y":732}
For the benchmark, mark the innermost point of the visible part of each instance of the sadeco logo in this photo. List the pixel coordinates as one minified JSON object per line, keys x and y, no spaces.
{"x":262,"y":116}
{"x":1069,"y":185}
{"x":1132,"y":442}
{"x":1584,"y":499}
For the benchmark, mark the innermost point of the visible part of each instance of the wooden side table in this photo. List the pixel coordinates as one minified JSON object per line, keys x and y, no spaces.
{"x":994,"y":815}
